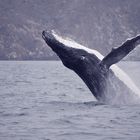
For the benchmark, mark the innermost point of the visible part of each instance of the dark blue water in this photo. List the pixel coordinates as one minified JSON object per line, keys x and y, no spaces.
{"x":45,"y":101}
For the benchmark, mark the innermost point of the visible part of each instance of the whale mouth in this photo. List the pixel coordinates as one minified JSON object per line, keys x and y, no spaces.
{"x":46,"y":34}
{"x":43,"y":35}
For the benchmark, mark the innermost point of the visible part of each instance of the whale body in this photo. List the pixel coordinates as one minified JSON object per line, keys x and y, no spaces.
{"x":107,"y":82}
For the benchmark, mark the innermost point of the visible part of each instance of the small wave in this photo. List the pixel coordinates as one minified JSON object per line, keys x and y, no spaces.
{"x":43,"y":77}
{"x":13,"y":114}
{"x":93,"y":103}
{"x":79,"y":134}
{"x":2,"y":124}
{"x":80,"y":88}
{"x":62,"y":122}
{"x":23,"y":81}
{"x":75,"y":104}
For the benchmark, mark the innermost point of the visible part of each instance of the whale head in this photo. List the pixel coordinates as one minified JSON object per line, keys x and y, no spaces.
{"x":72,"y":54}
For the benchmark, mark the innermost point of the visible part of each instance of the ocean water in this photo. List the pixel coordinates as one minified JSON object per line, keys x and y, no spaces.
{"x":43,"y":100}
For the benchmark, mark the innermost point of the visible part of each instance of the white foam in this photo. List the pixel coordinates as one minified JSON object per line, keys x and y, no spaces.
{"x":117,"y":71}
{"x":125,"y":79}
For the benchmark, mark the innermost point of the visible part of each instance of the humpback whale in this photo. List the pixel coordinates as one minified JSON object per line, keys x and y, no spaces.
{"x":107,"y":82}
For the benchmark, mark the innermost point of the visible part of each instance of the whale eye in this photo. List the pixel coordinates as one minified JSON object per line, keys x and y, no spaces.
{"x":83,"y":58}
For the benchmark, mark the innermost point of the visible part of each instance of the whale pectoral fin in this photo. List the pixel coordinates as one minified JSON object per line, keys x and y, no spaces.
{"x":119,"y":53}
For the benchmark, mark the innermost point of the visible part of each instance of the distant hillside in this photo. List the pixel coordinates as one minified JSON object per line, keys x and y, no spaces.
{"x":98,"y":24}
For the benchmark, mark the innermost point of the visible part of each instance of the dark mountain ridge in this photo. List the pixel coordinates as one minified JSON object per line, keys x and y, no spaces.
{"x":97,"y":24}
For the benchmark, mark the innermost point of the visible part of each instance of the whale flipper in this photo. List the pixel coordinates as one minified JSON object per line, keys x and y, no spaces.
{"x":119,"y":53}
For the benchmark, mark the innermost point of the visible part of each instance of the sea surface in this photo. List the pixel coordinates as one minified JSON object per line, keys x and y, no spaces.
{"x":43,"y":100}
